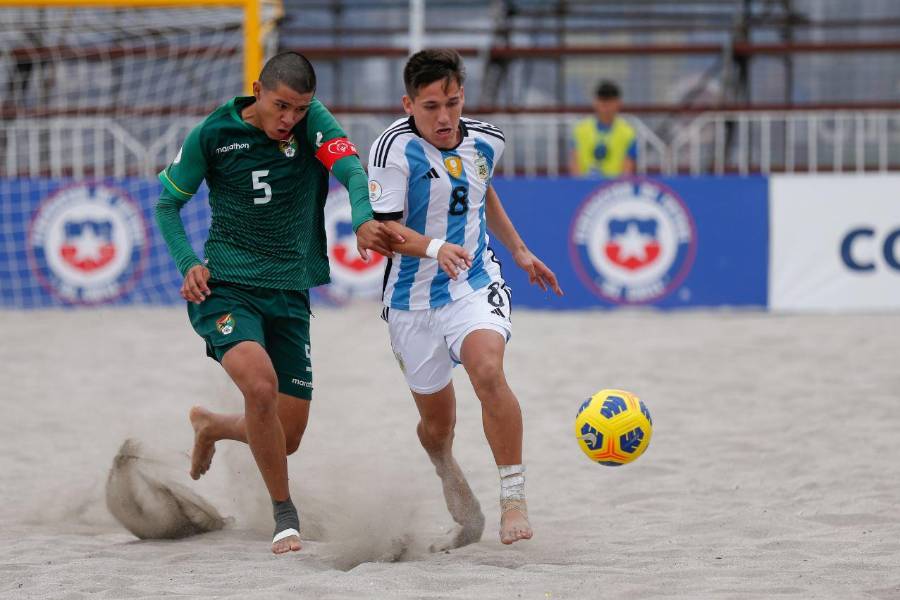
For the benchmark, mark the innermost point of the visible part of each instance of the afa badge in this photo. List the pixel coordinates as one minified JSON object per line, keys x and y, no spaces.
{"x":453,"y":165}
{"x":481,"y":167}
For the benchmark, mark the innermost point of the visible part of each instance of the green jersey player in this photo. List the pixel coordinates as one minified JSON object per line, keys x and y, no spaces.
{"x":266,"y":160}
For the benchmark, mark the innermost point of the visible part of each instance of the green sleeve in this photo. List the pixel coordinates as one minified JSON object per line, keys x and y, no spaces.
{"x":168,"y":218}
{"x":188,"y":169}
{"x":349,"y":171}
{"x":321,"y":125}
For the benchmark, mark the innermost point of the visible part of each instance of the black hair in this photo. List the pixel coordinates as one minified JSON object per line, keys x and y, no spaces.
{"x":427,"y":66}
{"x":607,"y":90}
{"x":291,"y":69}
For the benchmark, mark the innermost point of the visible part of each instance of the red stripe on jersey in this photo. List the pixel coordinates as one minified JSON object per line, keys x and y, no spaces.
{"x":334,"y":150}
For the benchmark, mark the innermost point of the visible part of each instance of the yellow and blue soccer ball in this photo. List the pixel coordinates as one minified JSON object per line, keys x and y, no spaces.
{"x":613,"y":427}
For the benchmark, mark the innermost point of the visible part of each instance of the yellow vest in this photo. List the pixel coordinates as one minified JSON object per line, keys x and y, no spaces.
{"x":602,"y":151}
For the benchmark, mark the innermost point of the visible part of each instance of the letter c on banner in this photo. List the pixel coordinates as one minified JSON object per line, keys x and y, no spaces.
{"x":847,"y":245}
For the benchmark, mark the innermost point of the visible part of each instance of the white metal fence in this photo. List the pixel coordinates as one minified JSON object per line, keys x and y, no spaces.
{"x":789,"y":141}
{"x":710,"y":143}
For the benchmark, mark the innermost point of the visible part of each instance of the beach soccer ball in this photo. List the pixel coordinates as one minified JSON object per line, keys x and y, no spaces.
{"x":613,"y":427}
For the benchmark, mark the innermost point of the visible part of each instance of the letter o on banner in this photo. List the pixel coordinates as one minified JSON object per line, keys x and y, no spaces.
{"x":890,"y":250}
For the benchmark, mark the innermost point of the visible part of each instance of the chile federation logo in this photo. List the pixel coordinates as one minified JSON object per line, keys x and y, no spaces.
{"x":632,"y":242}
{"x":87,"y":243}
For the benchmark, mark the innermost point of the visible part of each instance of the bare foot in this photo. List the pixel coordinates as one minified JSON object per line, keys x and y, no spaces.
{"x":288,"y":544}
{"x":204,"y":446}
{"x":514,"y":525}
{"x":460,"y":535}
{"x":462,"y":504}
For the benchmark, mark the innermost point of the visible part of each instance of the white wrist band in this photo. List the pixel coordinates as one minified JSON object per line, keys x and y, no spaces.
{"x":433,"y":247}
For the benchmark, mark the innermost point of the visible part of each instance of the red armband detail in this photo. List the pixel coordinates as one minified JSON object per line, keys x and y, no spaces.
{"x":334,"y":150}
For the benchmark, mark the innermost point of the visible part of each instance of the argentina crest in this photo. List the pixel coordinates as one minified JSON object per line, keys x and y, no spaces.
{"x":88,"y":243}
{"x":481,"y":166}
{"x":632,"y":242}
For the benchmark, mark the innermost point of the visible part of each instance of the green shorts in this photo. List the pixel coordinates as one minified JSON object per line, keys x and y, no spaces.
{"x":277,"y":319}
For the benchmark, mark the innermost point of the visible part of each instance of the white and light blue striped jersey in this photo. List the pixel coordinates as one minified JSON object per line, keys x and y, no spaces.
{"x":440,"y":194}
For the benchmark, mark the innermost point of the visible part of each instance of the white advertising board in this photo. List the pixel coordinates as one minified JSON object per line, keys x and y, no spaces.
{"x":834,"y":243}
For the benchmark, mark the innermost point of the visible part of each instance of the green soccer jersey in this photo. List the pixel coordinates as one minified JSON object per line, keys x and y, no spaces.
{"x":267,"y":197}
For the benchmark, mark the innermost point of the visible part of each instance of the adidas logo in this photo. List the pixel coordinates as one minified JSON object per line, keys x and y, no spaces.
{"x":431,"y":174}
{"x":499,"y":313}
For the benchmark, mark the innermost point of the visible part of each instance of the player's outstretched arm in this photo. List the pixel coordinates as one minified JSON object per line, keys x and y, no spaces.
{"x":501,"y":226}
{"x":370,"y":234}
{"x":452,"y":258}
{"x":338,"y":154}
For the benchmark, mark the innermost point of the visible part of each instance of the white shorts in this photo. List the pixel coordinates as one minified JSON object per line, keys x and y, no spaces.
{"x":428,"y":343}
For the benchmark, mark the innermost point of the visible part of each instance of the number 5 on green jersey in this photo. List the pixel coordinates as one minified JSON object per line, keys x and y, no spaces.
{"x":261,"y":185}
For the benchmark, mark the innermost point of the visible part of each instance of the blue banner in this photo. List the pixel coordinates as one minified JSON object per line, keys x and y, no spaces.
{"x":668,"y":242}
{"x":77,"y":243}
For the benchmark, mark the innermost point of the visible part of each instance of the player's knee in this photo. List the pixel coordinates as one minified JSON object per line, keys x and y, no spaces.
{"x":487,"y":375}
{"x":261,"y":397}
{"x":437,"y":431}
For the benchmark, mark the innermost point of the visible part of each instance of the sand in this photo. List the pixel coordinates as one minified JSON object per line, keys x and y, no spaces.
{"x":774,"y":469}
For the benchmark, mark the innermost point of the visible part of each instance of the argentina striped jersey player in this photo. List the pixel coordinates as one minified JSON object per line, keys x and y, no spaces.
{"x":440,"y":194}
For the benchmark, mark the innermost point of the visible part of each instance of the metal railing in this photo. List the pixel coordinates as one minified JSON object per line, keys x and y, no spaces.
{"x":787,"y":141}
{"x":536,"y":144}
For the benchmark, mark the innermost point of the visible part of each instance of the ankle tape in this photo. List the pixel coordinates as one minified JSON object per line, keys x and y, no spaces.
{"x":512,"y":482}
{"x":286,"y":516}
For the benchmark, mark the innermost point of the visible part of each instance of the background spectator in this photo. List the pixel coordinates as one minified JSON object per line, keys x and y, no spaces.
{"x":604,"y":144}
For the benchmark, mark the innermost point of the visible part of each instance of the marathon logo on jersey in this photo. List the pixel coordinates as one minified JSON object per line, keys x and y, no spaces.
{"x":88,"y":243}
{"x":351,"y":276}
{"x":334,"y":150}
{"x":632,"y":242}
{"x":224,"y":149}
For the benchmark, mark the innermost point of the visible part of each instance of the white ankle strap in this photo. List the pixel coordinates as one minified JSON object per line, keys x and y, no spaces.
{"x":285,"y":534}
